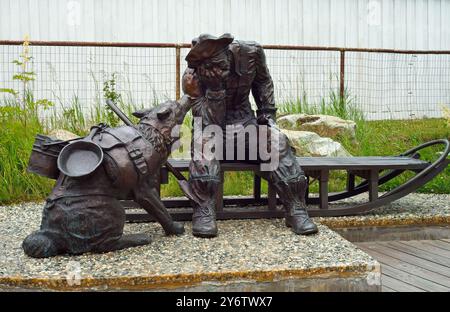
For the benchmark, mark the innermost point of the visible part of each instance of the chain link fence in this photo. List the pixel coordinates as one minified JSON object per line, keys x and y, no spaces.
{"x":382,"y":84}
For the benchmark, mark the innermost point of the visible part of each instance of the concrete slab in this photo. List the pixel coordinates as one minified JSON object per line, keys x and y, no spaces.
{"x":252,"y":255}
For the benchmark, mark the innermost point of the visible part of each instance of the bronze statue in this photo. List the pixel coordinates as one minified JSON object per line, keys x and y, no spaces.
{"x":83,"y":213}
{"x":221,"y":72}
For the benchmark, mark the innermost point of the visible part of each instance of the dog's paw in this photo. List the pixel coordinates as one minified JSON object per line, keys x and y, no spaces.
{"x":177,"y":228}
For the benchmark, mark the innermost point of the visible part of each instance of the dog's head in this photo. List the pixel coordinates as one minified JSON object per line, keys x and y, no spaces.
{"x":165,"y":116}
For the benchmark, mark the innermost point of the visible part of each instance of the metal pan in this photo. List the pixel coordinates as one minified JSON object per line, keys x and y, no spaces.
{"x":81,"y":158}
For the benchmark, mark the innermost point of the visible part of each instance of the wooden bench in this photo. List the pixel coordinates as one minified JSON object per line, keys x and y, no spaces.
{"x":314,"y":167}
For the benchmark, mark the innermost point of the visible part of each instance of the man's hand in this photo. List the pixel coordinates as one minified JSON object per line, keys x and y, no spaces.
{"x":191,"y":84}
{"x":265,"y":119}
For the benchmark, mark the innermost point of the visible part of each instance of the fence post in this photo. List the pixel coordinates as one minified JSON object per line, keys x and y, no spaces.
{"x":342,"y":75}
{"x":177,"y":71}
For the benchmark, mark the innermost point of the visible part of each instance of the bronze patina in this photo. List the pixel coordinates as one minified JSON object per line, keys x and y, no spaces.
{"x":220,"y":75}
{"x":83,"y":212}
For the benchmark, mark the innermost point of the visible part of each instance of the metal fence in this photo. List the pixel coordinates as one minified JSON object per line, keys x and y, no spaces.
{"x":383,"y":84}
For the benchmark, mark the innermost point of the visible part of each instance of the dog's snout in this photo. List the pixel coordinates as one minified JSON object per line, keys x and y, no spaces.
{"x":186,"y":103}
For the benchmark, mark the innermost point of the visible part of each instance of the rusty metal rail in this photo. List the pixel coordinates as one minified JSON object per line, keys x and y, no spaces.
{"x":188,"y":45}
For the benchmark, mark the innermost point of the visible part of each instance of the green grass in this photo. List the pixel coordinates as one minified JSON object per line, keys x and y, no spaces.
{"x":17,"y":133}
{"x":333,"y":105}
{"x":395,"y":137}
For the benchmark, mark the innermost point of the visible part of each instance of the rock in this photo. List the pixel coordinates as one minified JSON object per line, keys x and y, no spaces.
{"x":308,"y":143}
{"x":323,"y":125}
{"x":62,"y":135}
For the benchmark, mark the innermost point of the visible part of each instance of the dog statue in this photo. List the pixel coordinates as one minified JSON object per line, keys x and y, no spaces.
{"x":83,"y":214}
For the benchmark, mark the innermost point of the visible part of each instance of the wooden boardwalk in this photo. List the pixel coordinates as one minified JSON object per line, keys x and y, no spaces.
{"x":412,"y":265}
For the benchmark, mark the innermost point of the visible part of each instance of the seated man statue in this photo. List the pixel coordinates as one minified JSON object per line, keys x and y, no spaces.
{"x":220,"y":74}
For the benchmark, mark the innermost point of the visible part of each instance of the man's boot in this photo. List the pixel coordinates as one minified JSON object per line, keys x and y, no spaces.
{"x":292,"y":194}
{"x":204,"y":206}
{"x":297,"y":218}
{"x":204,"y":221}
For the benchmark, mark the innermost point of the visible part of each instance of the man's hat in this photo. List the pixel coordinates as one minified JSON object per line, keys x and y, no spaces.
{"x":206,"y":46}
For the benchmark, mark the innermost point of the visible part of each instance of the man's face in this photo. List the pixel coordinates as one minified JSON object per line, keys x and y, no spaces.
{"x":217,"y":67}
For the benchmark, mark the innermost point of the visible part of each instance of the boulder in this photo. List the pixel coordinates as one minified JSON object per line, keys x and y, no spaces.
{"x":323,"y":125}
{"x":63,"y":135}
{"x":308,"y":143}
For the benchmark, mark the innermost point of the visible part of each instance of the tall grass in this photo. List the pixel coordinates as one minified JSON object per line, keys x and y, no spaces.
{"x":333,"y":104}
{"x":393,"y":137}
{"x":19,"y":126}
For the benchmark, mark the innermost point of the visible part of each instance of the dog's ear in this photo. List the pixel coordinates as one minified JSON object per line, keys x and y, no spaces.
{"x":162,"y":115}
{"x":141,"y":113}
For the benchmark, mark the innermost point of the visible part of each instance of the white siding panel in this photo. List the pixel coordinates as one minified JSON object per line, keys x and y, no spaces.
{"x":421,"y":28}
{"x":404,"y":24}
{"x":88,"y":11}
{"x":381,"y":81}
{"x":387,"y":24}
{"x":363,"y":30}
{"x":326,"y":13}
{"x":310,"y":22}
{"x":351,"y":24}
{"x":294,"y":21}
{"x":400,"y":24}
{"x":411,"y":20}
{"x":434,"y":21}
{"x":373,"y":20}
{"x":5,"y":17}
{"x":445,"y":24}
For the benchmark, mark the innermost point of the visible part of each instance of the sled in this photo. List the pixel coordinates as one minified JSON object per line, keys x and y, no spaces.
{"x":375,"y":172}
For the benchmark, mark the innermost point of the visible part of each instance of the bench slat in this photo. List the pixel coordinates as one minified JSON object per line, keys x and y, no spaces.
{"x":317,"y":163}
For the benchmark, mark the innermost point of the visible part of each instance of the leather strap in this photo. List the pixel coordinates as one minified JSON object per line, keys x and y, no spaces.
{"x":135,"y":154}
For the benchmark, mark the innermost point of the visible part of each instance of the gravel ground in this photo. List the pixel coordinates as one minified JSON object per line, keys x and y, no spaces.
{"x":242,"y":245}
{"x":252,"y":245}
{"x":413,"y":209}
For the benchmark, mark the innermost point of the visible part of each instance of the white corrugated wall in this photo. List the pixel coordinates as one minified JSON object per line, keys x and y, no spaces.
{"x":385,"y":86}
{"x":399,"y":24}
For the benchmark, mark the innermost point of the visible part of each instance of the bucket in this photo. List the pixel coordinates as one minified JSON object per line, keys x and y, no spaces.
{"x":44,"y":155}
